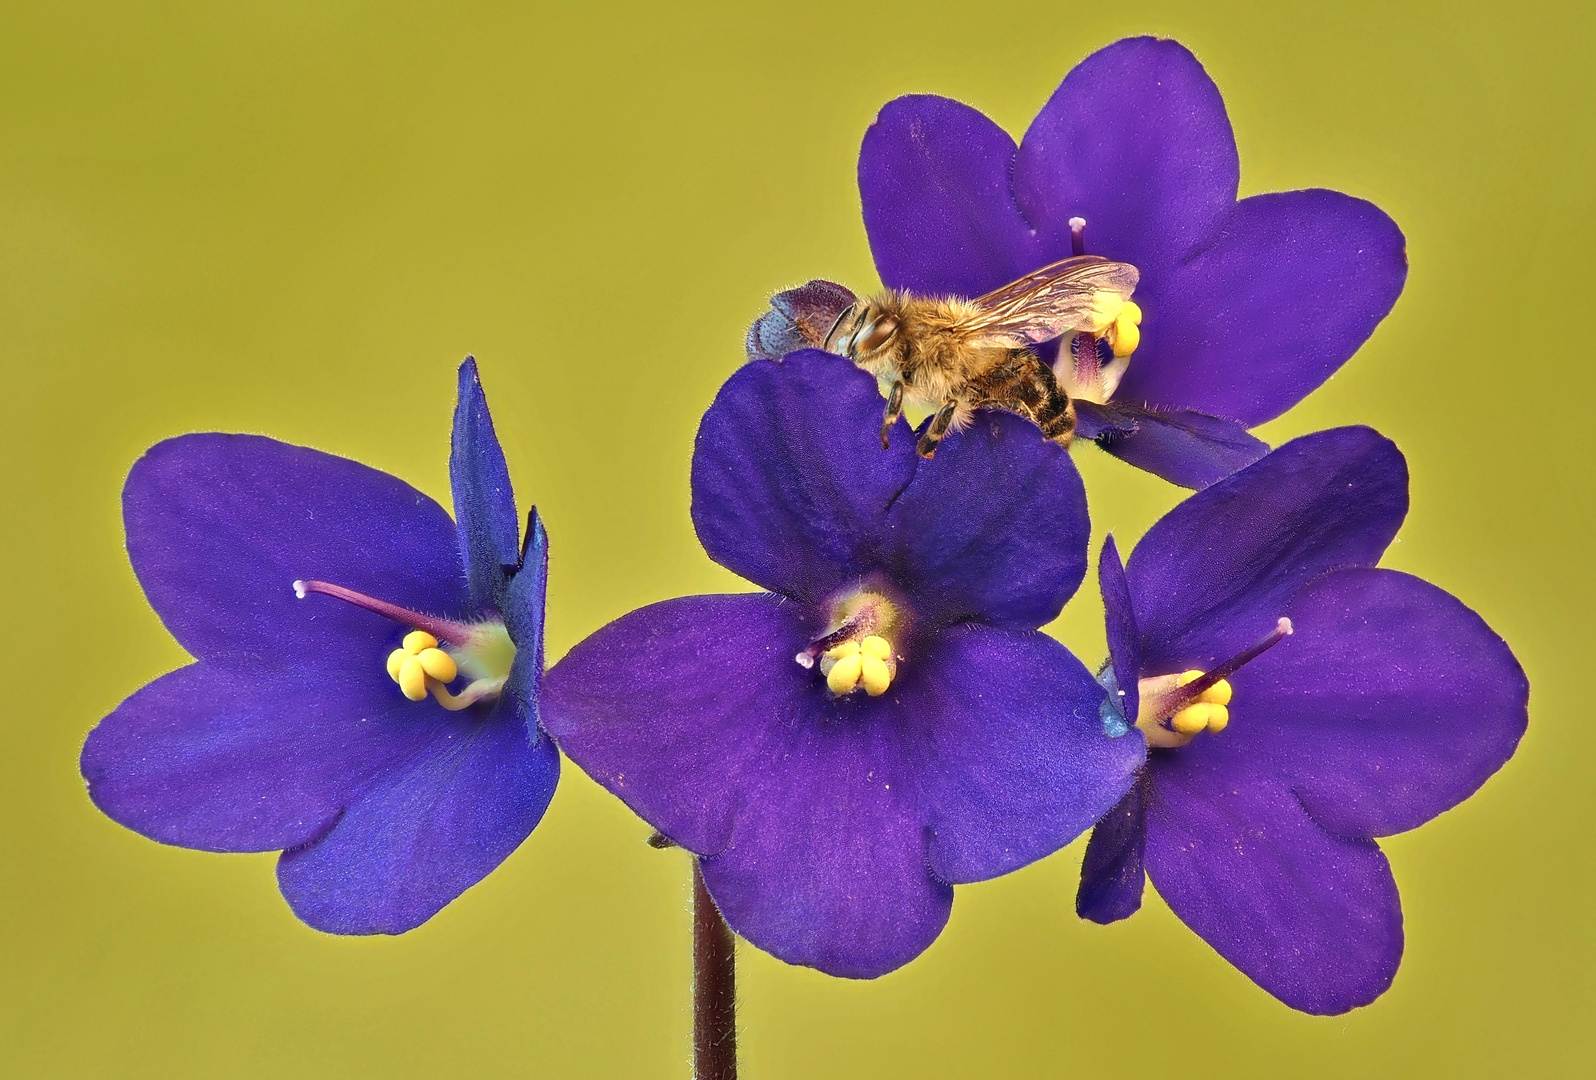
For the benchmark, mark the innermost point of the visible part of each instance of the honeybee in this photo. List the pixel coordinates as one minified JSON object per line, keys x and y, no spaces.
{"x":954,"y":356}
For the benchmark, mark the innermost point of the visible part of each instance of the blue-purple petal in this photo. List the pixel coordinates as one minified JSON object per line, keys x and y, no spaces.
{"x":694,"y":713}
{"x":1311,"y":917}
{"x":1188,"y":448}
{"x":938,"y":207}
{"x":524,"y":619}
{"x":1113,"y":876}
{"x":1217,"y":572}
{"x":790,"y":484}
{"x":484,"y":505}
{"x":1136,"y":141}
{"x":673,"y":707}
{"x":1391,"y":703}
{"x":1297,"y":281}
{"x":228,"y":755}
{"x":799,"y":318}
{"x":826,"y":867}
{"x":1005,"y":731}
{"x":1119,"y":621}
{"x":220,"y":526}
{"x":422,"y":833}
{"x":993,"y":528}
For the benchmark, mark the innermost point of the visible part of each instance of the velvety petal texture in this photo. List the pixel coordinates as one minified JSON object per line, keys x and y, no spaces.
{"x":1247,"y":306}
{"x":1312,"y":917}
{"x":288,"y":733}
{"x":1215,"y":573}
{"x":219,"y":527}
{"x":830,"y":829}
{"x":1113,"y":870}
{"x":792,"y":490}
{"x":798,"y":318}
{"x":484,"y":504}
{"x":1389,"y":703}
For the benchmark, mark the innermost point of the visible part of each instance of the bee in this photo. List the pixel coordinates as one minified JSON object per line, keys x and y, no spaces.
{"x":955,"y":356}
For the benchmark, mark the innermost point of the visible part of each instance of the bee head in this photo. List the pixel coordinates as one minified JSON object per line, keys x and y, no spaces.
{"x":868,"y":331}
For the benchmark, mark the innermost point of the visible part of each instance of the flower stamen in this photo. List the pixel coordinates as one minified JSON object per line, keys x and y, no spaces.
{"x":1177,"y":708}
{"x":420,"y":665}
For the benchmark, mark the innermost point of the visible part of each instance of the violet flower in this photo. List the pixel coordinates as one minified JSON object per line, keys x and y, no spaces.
{"x":1373,"y":702}
{"x":1246,"y":306}
{"x":287,"y":733}
{"x":886,"y":720}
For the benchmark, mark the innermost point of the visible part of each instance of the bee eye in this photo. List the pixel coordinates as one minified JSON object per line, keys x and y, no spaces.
{"x":876,"y":335}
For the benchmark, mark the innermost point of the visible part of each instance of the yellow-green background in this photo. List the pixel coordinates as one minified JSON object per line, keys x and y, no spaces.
{"x":295,"y":218}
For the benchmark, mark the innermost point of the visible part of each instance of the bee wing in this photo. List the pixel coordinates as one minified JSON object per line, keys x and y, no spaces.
{"x":1049,"y":302}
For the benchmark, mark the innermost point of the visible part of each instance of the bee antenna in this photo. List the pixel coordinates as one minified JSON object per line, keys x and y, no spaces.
{"x":825,"y":342}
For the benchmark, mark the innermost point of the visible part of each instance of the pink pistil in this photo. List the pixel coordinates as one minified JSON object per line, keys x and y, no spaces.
{"x":443,"y":629}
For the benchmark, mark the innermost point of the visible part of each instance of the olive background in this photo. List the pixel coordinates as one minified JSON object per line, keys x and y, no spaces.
{"x":296,"y":218}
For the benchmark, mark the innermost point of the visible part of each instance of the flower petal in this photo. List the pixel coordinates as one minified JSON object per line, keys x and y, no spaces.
{"x":1215,"y":573}
{"x":1112,"y":874}
{"x":1184,"y":447}
{"x":1137,"y":142}
{"x":1391,"y":703}
{"x":1119,"y":619}
{"x":1298,"y":281}
{"x":220,"y":526}
{"x":420,"y":835}
{"x":790,"y":483}
{"x":938,"y":208}
{"x":798,"y":318}
{"x":484,"y":504}
{"x":694,"y":713}
{"x":993,"y":528}
{"x":827,"y":866}
{"x":667,"y":706}
{"x":233,"y":756}
{"x":1311,"y":917}
{"x":1005,"y":733}
{"x":523,"y":617}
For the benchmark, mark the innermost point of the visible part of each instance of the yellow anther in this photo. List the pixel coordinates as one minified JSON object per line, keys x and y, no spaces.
{"x":876,"y":646}
{"x":853,"y":664}
{"x":438,"y":664}
{"x":844,"y":674}
{"x":875,"y":675}
{"x":395,"y":660}
{"x":1192,"y":719}
{"x":1125,"y":334}
{"x":413,"y":679}
{"x":417,"y":640}
{"x":1218,"y":717}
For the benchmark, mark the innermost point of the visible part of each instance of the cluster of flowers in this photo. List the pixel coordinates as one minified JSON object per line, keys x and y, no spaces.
{"x":884,"y":720}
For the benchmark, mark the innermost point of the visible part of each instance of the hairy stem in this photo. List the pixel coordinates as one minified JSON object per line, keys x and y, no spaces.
{"x":714,"y":989}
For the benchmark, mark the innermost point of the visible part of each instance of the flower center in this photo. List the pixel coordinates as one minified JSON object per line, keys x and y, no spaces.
{"x":855,"y":654}
{"x":482,"y":651}
{"x":1081,"y":369}
{"x":1175,"y":709}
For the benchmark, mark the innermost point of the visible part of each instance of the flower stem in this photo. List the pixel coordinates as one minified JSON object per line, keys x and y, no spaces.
{"x":714,"y":988}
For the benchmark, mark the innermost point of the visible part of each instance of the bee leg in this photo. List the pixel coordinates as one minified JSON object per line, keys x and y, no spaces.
{"x":894,"y":408}
{"x":927,"y":446}
{"x":1055,"y":413}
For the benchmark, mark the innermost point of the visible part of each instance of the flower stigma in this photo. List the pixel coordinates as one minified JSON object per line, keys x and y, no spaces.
{"x":856,"y":655}
{"x":1177,"y":708}
{"x":481,"y":651}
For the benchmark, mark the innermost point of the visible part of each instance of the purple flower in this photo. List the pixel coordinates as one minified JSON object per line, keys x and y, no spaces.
{"x":1373,"y":701}
{"x":289,"y":731}
{"x":1247,"y":306}
{"x":884,"y":722}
